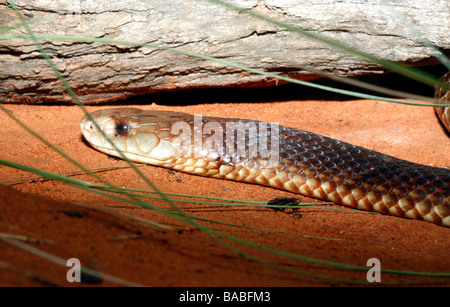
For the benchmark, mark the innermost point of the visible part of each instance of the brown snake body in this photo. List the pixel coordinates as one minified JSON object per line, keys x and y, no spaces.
{"x":307,"y":163}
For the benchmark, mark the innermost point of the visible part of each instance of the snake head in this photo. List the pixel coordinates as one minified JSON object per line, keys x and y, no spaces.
{"x":126,"y":130}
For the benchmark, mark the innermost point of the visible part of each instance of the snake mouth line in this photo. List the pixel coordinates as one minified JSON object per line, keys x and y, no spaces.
{"x":130,"y":156}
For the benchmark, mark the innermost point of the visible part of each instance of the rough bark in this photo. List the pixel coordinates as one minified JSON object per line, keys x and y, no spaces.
{"x":106,"y":72}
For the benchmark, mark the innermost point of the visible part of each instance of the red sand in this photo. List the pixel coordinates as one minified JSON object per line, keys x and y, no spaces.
{"x":111,"y":243}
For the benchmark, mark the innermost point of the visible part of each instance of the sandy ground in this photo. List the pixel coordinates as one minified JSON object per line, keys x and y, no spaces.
{"x":49,"y":215}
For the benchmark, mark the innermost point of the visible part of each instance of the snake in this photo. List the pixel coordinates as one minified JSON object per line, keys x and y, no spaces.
{"x":305,"y":163}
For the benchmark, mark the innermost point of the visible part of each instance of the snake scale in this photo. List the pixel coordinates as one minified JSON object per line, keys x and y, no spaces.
{"x":307,"y":163}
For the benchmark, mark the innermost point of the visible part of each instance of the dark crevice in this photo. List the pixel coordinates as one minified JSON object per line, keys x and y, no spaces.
{"x":285,"y":92}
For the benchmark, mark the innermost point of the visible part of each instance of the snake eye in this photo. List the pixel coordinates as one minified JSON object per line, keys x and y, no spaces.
{"x":122,"y":128}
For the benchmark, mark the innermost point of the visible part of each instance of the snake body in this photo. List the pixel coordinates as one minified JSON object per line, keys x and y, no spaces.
{"x":442,"y":96}
{"x":307,"y":163}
